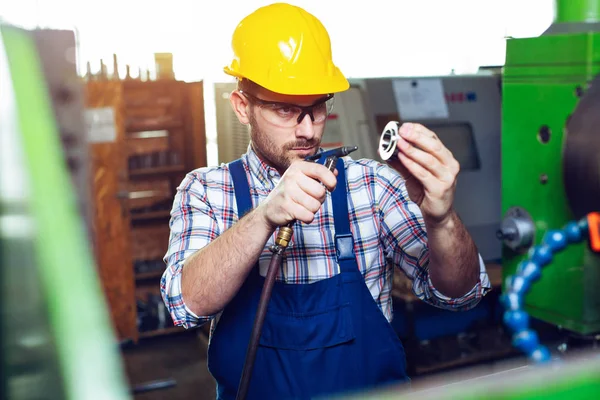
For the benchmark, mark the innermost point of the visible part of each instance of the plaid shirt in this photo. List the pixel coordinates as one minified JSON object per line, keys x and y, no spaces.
{"x":388,"y":230}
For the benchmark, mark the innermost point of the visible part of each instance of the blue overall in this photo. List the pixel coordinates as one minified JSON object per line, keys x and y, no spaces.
{"x":318,"y":339}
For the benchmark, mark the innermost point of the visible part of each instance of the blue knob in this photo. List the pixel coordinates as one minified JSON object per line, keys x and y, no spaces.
{"x":529,"y":270}
{"x":526,"y":341}
{"x":541,"y":355}
{"x":541,"y":255}
{"x":517,"y":320}
{"x":556,"y":240}
{"x":573,"y":232}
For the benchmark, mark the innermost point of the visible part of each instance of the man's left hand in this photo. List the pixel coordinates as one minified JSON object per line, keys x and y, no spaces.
{"x":429,"y":170}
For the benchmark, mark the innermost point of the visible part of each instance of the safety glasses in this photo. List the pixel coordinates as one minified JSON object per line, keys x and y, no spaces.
{"x":288,"y":115}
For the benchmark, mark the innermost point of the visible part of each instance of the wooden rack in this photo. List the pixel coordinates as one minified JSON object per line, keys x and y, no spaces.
{"x":146,"y":135}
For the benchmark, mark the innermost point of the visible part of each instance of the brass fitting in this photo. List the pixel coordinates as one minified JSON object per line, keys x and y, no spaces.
{"x":284,"y":236}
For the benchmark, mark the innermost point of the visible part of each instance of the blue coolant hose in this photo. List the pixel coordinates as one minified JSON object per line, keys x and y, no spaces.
{"x":528,"y":271}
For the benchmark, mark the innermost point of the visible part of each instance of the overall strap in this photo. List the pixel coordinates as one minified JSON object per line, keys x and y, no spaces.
{"x":344,"y":242}
{"x":243,"y":198}
{"x":240,"y":186}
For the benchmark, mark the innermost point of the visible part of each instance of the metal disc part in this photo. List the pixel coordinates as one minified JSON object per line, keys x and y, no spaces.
{"x":388,"y":140}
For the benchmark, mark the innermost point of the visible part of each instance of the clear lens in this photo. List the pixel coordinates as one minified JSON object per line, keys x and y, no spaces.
{"x":329,"y":104}
{"x":286,"y":115}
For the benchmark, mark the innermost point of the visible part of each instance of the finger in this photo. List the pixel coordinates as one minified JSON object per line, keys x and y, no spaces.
{"x":398,"y":166}
{"x":419,"y":172}
{"x":320,"y":173}
{"x":425,"y":160}
{"x":426,"y":140}
{"x":300,"y":213}
{"x":311,"y":187}
{"x":305,"y":200}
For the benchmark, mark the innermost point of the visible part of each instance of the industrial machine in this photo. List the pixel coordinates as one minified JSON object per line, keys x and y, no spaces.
{"x":550,"y":156}
{"x":464,"y":111}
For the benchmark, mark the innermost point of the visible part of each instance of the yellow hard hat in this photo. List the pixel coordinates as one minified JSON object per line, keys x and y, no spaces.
{"x":286,"y":50}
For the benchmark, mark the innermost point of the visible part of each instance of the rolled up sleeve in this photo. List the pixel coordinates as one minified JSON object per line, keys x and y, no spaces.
{"x":425,"y":290}
{"x":405,"y":243}
{"x":192,"y":226}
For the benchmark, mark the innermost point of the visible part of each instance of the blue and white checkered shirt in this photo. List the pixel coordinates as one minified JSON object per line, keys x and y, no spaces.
{"x":387,"y":226}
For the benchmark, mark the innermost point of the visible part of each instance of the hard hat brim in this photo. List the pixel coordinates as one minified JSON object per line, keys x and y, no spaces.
{"x":294,"y":86}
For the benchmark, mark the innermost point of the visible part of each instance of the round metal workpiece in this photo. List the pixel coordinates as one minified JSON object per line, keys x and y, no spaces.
{"x":388,"y":140}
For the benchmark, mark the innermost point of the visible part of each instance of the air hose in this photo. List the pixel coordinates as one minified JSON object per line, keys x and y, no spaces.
{"x":530,"y":270}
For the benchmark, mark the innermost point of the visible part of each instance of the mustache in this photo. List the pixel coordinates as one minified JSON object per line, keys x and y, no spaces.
{"x":302,"y":144}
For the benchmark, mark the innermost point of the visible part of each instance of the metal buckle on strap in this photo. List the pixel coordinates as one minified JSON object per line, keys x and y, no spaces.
{"x":344,"y":245}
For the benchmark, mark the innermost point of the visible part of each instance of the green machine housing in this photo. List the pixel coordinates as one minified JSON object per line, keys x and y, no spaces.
{"x":544,"y":78}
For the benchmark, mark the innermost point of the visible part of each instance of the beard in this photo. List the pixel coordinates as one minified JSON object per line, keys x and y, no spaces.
{"x":279,"y":157}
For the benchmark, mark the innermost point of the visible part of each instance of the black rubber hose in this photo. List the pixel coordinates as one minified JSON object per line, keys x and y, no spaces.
{"x":265,"y":296}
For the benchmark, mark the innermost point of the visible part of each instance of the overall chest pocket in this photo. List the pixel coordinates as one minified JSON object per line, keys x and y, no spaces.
{"x":322,"y":328}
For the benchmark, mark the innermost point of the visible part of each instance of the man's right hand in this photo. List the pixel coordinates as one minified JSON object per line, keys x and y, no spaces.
{"x":298,"y":195}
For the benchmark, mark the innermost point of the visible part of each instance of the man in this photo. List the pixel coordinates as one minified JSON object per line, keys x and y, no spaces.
{"x":327,"y":328}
